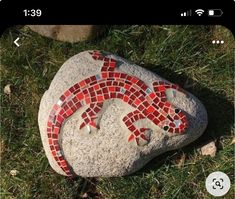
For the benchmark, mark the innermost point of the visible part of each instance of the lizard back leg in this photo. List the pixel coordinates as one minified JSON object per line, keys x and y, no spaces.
{"x":142,"y":135}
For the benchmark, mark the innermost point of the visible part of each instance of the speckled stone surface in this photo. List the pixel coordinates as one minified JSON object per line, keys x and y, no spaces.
{"x":106,"y":151}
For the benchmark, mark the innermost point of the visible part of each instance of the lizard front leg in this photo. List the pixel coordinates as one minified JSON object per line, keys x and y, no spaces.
{"x":142,"y":135}
{"x":161,"y":87}
{"x":90,"y":116}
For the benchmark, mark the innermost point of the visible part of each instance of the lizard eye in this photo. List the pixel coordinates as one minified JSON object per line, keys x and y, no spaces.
{"x":177,"y":110}
{"x":165,"y":128}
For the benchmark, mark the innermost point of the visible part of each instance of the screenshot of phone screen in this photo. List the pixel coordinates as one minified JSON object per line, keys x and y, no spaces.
{"x":106,"y":109}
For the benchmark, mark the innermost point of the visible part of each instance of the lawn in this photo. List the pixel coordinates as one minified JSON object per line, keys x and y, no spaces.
{"x":182,"y":54}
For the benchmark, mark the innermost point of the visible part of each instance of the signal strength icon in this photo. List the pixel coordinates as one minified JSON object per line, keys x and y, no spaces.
{"x":199,"y":12}
{"x":185,"y":14}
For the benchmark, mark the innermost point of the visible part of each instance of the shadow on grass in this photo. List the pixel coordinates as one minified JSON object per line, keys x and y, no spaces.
{"x":219,"y":110}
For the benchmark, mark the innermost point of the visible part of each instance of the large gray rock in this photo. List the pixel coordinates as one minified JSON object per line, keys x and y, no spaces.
{"x":69,"y":33}
{"x":111,"y":149}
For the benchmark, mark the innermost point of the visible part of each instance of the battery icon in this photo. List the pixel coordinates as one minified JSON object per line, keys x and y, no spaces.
{"x":215,"y":12}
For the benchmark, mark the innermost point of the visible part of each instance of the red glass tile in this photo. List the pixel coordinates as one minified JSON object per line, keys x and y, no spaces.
{"x":134,"y":80}
{"x":111,"y":74}
{"x":113,"y":95}
{"x":141,"y":107}
{"x":87,"y":81}
{"x":82,"y":83}
{"x":76,"y":86}
{"x":160,"y":104}
{"x":50,"y":141}
{"x":150,"y":109}
{"x":132,"y":89}
{"x":91,"y":89}
{"x":119,"y":95}
{"x":55,"y":107}
{"x":123,"y":76}
{"x":125,"y":119}
{"x":136,"y":117}
{"x":171,"y":130}
{"x":99,"y":92}
{"x":131,"y":128}
{"x":85,"y":91}
{"x":70,"y":103}
{"x":60,"y":119}
{"x":63,"y":163}
{"x":111,"y":89}
{"x":88,"y":100}
{"x":145,"y":112}
{"x":78,"y":105}
{"x":96,"y":87}
{"x":131,"y":137}
{"x":130,"y":114}
{"x":152,"y":95}
{"x":104,"y":75}
{"x":72,"y":89}
{"x":166,"y":109}
{"x":132,"y":120}
{"x":132,"y":97}
{"x":93,"y":78}
{"x":69,"y":112}
{"x":100,"y":98}
{"x":136,"y":132}
{"x":117,"y":75}
{"x":93,"y":99}
{"x":126,"y":86}
{"x":156,"y":121}
{"x":66,"y":107}
{"x":74,"y":108}
{"x":49,"y":124}
{"x":62,"y":98}
{"x":75,"y":100}
{"x":128,"y":123}
{"x":137,"y":102}
{"x":112,"y":64}
{"x":146,"y":104}
{"x":67,"y":93}
{"x":92,"y":94}
{"x":161,"y":88}
{"x":151,"y":116}
{"x":181,"y":126}
{"x":106,"y":96}
{"x":79,"y":96}
{"x":54,"y":136}
{"x":53,"y":153}
{"x":102,"y":85}
{"x":161,"y":118}
{"x":128,"y":93}
{"x":176,"y":117}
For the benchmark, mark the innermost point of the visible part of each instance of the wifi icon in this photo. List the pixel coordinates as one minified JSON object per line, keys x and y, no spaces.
{"x":199,"y":12}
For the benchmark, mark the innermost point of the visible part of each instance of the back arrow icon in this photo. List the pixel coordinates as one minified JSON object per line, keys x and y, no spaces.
{"x":15,"y":42}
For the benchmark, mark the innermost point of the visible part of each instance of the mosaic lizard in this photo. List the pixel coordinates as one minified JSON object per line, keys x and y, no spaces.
{"x":111,"y":84}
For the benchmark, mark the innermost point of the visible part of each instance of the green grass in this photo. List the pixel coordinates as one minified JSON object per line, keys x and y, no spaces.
{"x":182,"y":54}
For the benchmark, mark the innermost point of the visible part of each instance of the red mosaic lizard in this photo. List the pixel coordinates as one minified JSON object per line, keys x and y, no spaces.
{"x":109,"y":84}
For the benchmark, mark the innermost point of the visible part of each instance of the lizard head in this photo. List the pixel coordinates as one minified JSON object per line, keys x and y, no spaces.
{"x":172,"y":120}
{"x":175,"y":121}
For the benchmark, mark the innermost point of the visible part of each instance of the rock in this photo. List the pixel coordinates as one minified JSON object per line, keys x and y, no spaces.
{"x":7,"y":89}
{"x":13,"y":172}
{"x":233,"y":140}
{"x":120,"y":132}
{"x":209,"y":149}
{"x":70,"y":33}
